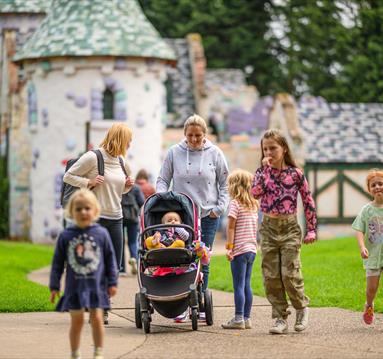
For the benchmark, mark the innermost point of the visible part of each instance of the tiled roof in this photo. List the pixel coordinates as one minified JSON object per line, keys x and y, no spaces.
{"x":341,"y":132}
{"x":24,"y":6}
{"x":96,"y":28}
{"x":227,"y":79}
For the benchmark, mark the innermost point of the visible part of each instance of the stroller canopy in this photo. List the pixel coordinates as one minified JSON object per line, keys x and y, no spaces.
{"x":160,"y":203}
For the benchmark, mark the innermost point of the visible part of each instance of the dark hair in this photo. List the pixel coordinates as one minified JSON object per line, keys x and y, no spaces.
{"x":278,"y":137}
{"x":142,"y":174}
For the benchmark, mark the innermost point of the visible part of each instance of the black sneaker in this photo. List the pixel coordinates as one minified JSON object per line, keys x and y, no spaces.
{"x":106,"y":317}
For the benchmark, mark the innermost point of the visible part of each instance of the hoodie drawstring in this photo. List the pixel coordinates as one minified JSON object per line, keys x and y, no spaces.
{"x":201,"y":162}
{"x":188,"y":163}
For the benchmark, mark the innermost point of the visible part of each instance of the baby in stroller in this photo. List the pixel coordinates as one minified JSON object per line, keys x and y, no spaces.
{"x":170,"y":278}
{"x":173,"y":237}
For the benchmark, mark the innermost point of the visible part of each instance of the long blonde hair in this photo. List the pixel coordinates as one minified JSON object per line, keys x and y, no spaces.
{"x":278,"y":137}
{"x":240,"y":182}
{"x":372,"y":173}
{"x":89,"y":197}
{"x":117,"y":139}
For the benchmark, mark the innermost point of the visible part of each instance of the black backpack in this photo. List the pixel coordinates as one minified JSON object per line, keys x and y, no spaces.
{"x":67,"y":189}
{"x":130,"y":209}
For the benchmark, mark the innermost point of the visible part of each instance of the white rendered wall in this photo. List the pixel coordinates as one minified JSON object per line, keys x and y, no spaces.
{"x":63,"y":108}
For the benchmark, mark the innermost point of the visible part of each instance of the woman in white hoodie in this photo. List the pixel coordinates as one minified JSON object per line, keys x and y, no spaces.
{"x":198,"y":168}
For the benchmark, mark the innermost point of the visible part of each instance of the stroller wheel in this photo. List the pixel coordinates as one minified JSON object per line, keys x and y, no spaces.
{"x":146,"y":322}
{"x":208,"y":299}
{"x":194,"y":318}
{"x":137,"y":311}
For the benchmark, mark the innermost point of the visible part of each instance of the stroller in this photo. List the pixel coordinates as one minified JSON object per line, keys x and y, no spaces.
{"x":172,"y":294}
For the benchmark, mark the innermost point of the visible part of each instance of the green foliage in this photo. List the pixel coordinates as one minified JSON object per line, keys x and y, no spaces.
{"x":327,"y":48}
{"x":234,"y":34}
{"x":332,"y":269}
{"x":333,"y":49}
{"x":4,"y":202}
{"x":17,"y":293}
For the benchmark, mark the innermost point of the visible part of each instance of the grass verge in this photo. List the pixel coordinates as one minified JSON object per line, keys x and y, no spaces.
{"x":332,"y":270}
{"x":17,"y":293}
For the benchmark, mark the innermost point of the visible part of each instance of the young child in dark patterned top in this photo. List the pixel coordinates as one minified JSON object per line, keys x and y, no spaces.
{"x":86,"y":251}
{"x":241,"y":245}
{"x":277,"y":184}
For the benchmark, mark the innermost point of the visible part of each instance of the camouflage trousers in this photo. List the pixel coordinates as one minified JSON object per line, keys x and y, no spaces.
{"x":281,"y":240}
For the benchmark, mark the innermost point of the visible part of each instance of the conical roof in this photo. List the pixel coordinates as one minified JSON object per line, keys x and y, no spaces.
{"x":95,"y":28}
{"x":24,"y":6}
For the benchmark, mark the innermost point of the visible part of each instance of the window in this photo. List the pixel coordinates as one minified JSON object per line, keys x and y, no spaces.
{"x":108,"y":104}
{"x":169,"y":95}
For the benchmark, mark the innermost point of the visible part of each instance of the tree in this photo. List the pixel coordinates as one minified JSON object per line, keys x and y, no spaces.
{"x":314,"y":44}
{"x":234,"y":33}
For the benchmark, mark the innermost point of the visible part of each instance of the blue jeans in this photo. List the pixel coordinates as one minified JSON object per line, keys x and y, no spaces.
{"x":241,"y":267}
{"x":208,"y":229}
{"x":114,"y":227}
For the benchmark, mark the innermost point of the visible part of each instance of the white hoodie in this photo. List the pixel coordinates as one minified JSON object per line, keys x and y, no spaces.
{"x":201,"y":174}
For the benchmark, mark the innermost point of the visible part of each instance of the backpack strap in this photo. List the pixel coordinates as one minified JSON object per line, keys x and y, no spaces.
{"x":100,"y":162}
{"x":122,"y":165}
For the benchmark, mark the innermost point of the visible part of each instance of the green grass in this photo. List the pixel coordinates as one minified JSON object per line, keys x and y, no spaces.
{"x":332,"y":270}
{"x":17,"y":293}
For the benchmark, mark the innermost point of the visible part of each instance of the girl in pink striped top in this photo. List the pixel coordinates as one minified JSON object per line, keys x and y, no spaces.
{"x":241,"y":245}
{"x":277,"y":184}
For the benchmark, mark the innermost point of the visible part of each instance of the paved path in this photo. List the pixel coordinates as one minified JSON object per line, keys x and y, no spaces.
{"x":333,"y":333}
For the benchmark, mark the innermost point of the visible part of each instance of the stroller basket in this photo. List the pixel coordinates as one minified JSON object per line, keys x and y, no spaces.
{"x":168,"y":257}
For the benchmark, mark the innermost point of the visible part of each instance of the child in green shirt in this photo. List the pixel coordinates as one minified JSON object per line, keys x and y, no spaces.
{"x":369,"y":233}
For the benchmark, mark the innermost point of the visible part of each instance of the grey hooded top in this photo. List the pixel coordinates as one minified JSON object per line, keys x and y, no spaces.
{"x":201,"y":174}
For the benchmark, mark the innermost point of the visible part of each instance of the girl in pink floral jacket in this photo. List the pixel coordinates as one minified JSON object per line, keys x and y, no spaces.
{"x":276,"y":184}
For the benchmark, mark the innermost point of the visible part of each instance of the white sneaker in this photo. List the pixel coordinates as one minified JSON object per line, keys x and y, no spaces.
{"x":98,"y":354}
{"x":133,"y":263}
{"x":182,"y":318}
{"x":202,"y":316}
{"x":232,"y":324}
{"x":301,"y":319}
{"x":75,"y":356}
{"x":248,"y":324}
{"x":280,"y":327}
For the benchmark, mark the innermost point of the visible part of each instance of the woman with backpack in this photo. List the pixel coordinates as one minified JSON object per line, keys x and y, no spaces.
{"x":131,"y":205}
{"x":109,"y":187}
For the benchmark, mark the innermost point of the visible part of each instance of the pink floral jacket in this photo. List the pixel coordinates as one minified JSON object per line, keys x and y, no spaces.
{"x":278,"y":192}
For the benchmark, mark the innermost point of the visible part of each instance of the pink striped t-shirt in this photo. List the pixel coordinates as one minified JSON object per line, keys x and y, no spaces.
{"x":245,"y":234}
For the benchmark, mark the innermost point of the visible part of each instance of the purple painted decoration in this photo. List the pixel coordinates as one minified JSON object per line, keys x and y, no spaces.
{"x":80,"y":101}
{"x":45,"y":120}
{"x":96,"y":105}
{"x":36,"y":153}
{"x":120,"y":64}
{"x":253,"y":122}
{"x":54,"y":232}
{"x":70,"y":144}
{"x":140,"y":121}
{"x":109,"y":82}
{"x":96,"y":94}
{"x":70,"y":95}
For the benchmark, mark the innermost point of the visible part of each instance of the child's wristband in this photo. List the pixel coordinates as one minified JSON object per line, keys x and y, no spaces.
{"x":229,"y":246}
